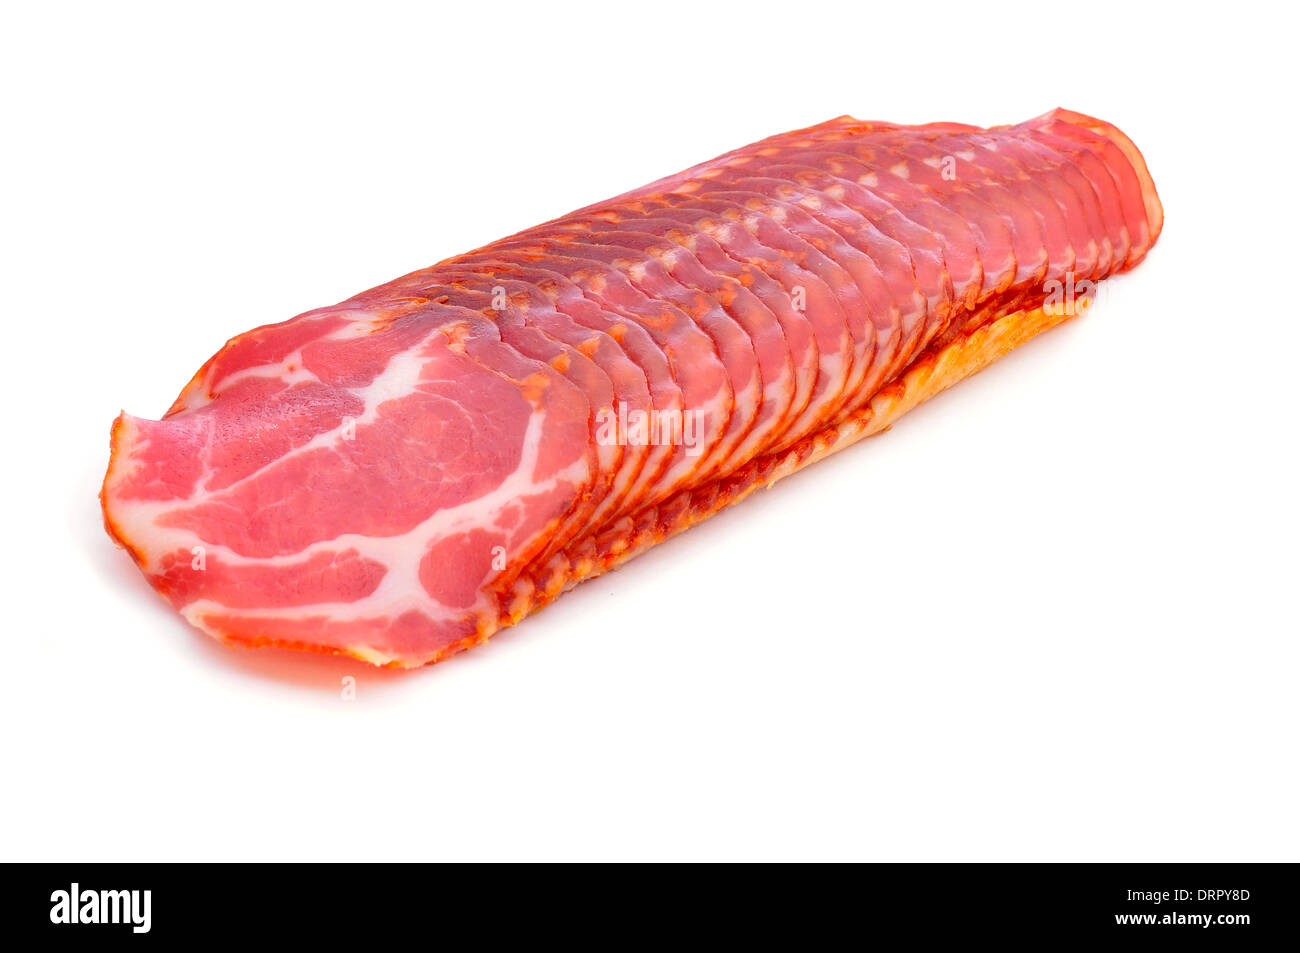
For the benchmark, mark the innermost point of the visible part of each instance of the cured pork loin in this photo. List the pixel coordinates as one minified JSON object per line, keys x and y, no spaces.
{"x":397,"y":477}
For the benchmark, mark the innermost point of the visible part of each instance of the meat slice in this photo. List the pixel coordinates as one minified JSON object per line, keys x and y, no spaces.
{"x":824,"y":291}
{"x":882,"y":269}
{"x":1014,"y":206}
{"x":773,"y":280}
{"x":828,"y":147}
{"x":397,"y":477}
{"x":252,"y":504}
{"x":1093,"y":248}
{"x":525,"y":337}
{"x":879,"y":260}
{"x":871,"y":301}
{"x":1050,"y":197}
{"x":632,"y":355}
{"x":961,"y":247}
{"x":848,"y":204}
{"x":692,"y":357}
{"x":1084,"y":157}
{"x":767,"y":343}
{"x":731,"y":347}
{"x":1120,"y":158}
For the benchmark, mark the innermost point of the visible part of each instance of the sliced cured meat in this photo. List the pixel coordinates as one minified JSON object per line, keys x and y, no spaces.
{"x":1048,"y":194}
{"x":1082,"y":156}
{"x":263,"y":519}
{"x":773,"y":281}
{"x":849,"y":204}
{"x":770,"y":349}
{"x":817,"y":286}
{"x":708,"y":400}
{"x":990,"y":227}
{"x":878,"y":259}
{"x":1094,"y":250}
{"x":396,"y":477}
{"x":1015,"y":207}
{"x":507,"y":315}
{"x":730,"y":344}
{"x":882,"y":268}
{"x":581,"y":354}
{"x":632,"y":354}
{"x":953,"y":235}
{"x":966,"y":268}
{"x":873,"y":304}
{"x":1120,"y":158}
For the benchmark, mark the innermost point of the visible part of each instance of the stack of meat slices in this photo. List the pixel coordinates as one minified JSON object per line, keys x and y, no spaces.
{"x":396,"y":477}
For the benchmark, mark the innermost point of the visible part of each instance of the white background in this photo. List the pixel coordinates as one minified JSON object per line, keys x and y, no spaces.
{"x":1050,"y":615}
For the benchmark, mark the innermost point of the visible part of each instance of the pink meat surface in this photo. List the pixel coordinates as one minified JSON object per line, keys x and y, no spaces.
{"x":385,"y":477}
